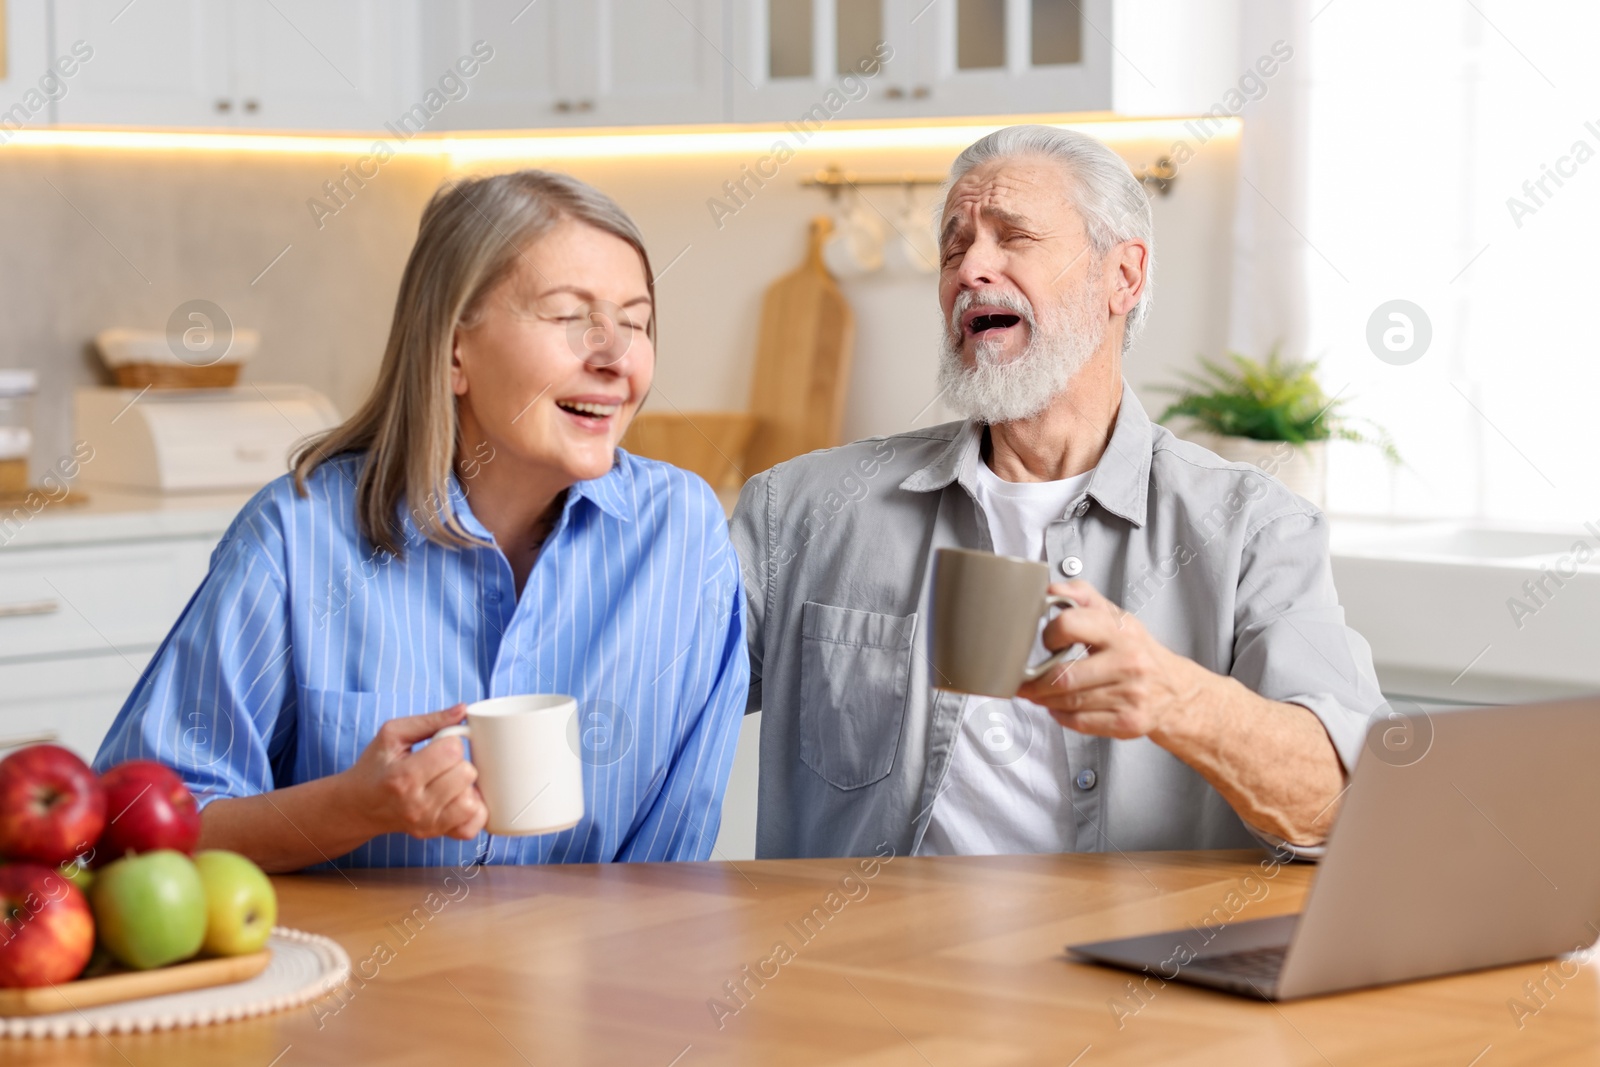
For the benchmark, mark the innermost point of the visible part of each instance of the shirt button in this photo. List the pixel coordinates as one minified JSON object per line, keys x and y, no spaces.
{"x":493,"y":596}
{"x":1072,"y":566}
{"x":1086,"y":778}
{"x":1082,"y":508}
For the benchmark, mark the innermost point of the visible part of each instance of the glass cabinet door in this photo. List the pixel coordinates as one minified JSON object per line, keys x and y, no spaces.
{"x":935,"y":57}
{"x":1023,"y":56}
{"x":820,"y":60}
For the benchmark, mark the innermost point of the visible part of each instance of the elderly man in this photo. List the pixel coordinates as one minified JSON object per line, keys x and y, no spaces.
{"x":1220,"y":700}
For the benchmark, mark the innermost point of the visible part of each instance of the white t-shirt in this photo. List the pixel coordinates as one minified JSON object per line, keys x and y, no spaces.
{"x":1009,"y":781}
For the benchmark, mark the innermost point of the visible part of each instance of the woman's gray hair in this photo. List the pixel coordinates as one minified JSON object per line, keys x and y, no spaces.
{"x":1111,"y":201}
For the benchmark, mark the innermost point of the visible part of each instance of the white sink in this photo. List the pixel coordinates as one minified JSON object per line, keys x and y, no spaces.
{"x":1472,"y":611}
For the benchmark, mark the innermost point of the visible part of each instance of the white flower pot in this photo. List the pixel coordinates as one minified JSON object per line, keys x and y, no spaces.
{"x":1302,"y":468}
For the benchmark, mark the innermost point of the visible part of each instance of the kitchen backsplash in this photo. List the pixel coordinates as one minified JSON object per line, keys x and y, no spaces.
{"x":116,"y":237}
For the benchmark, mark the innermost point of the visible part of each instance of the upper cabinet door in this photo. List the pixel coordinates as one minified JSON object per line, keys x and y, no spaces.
{"x":933,"y":58}
{"x":286,"y":64}
{"x":154,"y":63}
{"x":313,"y":65}
{"x":813,"y":60}
{"x":520,"y":52}
{"x":1020,"y":56}
{"x":34,"y":77}
{"x":579,"y":62}
{"x":650,"y":61}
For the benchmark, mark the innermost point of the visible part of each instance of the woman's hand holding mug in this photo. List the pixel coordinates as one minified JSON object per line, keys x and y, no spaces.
{"x":432,"y":792}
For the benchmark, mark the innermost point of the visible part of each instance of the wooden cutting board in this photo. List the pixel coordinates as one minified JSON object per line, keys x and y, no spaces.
{"x":802,"y":361}
{"x":133,"y":985}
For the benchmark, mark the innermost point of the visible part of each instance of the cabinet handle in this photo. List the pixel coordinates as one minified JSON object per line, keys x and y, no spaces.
{"x":224,"y":106}
{"x":252,"y":106}
{"x":43,"y":737}
{"x":894,"y":92}
{"x":563,"y":106}
{"x":585,"y":105}
{"x":29,"y":607}
{"x":921,"y":92}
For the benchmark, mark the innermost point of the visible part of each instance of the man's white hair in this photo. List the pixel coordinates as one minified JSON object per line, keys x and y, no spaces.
{"x":1111,"y":201}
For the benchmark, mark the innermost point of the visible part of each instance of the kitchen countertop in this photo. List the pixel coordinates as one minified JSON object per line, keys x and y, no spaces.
{"x":1472,"y":610}
{"x":114,"y":515}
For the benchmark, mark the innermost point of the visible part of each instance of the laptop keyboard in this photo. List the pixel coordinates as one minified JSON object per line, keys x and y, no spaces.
{"x":1260,"y":964}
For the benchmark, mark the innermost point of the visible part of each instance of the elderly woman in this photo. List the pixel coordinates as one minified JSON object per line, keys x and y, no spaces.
{"x":472,"y":531}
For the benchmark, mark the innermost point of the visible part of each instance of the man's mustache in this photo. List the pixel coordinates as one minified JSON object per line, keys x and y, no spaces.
{"x":1015,"y":303}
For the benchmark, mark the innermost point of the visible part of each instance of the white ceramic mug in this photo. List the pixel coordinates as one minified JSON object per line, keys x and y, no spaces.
{"x":530,"y":775}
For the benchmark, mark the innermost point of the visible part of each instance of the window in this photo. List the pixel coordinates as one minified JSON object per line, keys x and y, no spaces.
{"x":1454,"y":160}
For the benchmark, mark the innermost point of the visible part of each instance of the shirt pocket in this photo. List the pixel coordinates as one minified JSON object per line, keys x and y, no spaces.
{"x":336,"y":725}
{"x":855,"y":669}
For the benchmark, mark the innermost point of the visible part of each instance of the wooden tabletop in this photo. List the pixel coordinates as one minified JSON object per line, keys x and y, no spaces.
{"x":915,"y":962}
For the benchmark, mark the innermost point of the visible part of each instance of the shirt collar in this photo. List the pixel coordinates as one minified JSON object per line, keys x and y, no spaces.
{"x":605,"y":492}
{"x":609,"y":492}
{"x":1120,"y":483}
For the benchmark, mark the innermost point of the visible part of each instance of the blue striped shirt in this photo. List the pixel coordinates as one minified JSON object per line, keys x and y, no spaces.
{"x":303,"y":639}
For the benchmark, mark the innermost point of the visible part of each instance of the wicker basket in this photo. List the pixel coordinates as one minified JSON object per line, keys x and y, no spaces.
{"x":177,"y":376}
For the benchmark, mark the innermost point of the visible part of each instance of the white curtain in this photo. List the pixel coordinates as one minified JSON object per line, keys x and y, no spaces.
{"x":1269,"y":302}
{"x":1452,"y":159}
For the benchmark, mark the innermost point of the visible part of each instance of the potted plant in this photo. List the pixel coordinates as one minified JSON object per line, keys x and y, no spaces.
{"x":1271,"y":414}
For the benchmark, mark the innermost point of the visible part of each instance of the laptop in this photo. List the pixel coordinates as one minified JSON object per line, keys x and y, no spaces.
{"x":1473,"y":843}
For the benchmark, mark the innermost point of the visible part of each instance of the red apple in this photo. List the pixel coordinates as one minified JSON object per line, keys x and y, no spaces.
{"x":147,"y":808}
{"x":48,"y":931}
{"x":51,"y":806}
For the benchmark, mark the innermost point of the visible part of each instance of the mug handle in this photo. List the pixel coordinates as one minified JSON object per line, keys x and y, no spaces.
{"x":460,"y":729}
{"x":1038,"y":670}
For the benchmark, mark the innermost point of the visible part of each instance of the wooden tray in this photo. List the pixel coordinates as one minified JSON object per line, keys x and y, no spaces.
{"x":133,"y":985}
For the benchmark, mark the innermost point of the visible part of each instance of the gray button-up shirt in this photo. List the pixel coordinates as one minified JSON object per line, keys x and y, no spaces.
{"x":1221,"y":563}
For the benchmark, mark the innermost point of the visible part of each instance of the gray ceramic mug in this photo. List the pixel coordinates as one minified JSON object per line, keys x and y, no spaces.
{"x":986,"y":612}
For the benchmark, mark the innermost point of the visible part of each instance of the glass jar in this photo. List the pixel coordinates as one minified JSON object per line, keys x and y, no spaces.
{"x":17,"y":390}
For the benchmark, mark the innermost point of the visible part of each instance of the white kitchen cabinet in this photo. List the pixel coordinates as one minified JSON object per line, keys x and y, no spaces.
{"x":314,"y":65}
{"x":87,"y":595}
{"x":528,"y":81}
{"x":359,"y":64}
{"x":579,"y":62}
{"x":1020,"y":56}
{"x":280,"y":64}
{"x":940,"y":57}
{"x":155,"y":62}
{"x":789,"y":54}
{"x":28,"y":82}
{"x":93,"y":598}
{"x":69,"y":701}
{"x":652,"y":61}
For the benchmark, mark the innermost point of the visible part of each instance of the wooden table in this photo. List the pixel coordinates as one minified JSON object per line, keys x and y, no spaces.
{"x":941,"y":962}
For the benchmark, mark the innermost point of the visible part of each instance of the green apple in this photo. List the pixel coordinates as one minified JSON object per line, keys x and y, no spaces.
{"x":78,"y":875}
{"x":150,"y":908}
{"x":241,"y":906}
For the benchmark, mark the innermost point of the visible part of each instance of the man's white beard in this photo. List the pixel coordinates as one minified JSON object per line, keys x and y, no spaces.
{"x":995,"y":391}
